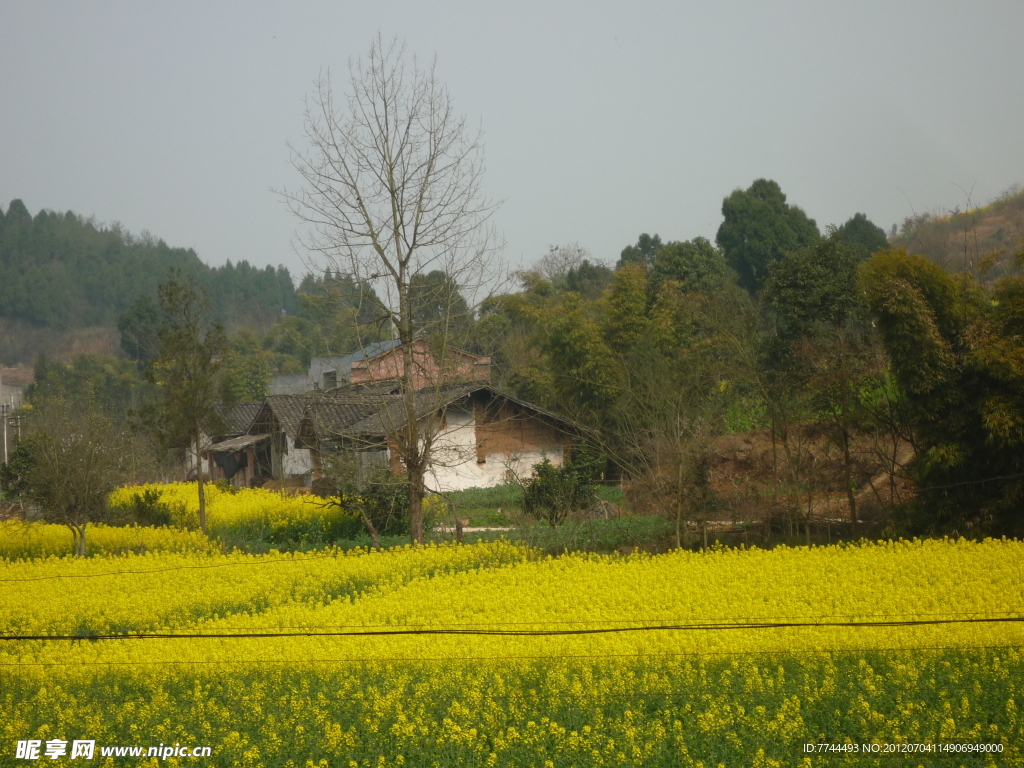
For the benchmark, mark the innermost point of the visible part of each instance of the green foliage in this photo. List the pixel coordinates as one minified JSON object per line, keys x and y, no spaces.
{"x":438,"y":308}
{"x":921,"y":311}
{"x":78,"y":456}
{"x":139,"y":326}
{"x":489,"y":505}
{"x":60,"y":271}
{"x":385,"y":500}
{"x":115,"y":386}
{"x":815,"y":284}
{"x":760,"y":227}
{"x":192,"y":350}
{"x":956,"y":352}
{"x":625,"y":310}
{"x":335,"y":315}
{"x":643,"y":253}
{"x":145,"y":508}
{"x":556,"y":491}
{"x":245,"y":369}
{"x":696,"y":265}
{"x":14,"y":475}
{"x":863,"y":236}
{"x":588,"y":279}
{"x":584,"y":374}
{"x":322,"y":298}
{"x":377,"y":503}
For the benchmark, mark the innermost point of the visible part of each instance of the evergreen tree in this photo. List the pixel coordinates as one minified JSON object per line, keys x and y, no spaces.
{"x":192,"y":349}
{"x":863,"y":236}
{"x":759,"y":227}
{"x":955,"y":349}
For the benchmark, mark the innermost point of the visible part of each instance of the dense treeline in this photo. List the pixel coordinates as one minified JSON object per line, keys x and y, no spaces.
{"x":60,"y":271}
{"x":846,"y":351}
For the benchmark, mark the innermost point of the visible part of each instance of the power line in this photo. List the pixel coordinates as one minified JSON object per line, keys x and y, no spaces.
{"x":517,"y":632}
{"x":634,"y":620}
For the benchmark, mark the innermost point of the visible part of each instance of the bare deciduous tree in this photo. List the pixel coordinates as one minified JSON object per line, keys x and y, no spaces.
{"x":392,"y":193}
{"x":78,"y":458}
{"x":560,"y":260}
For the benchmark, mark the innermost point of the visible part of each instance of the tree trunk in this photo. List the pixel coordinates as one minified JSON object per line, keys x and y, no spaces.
{"x":413,"y":453}
{"x":370,"y":528}
{"x":415,"y":472}
{"x":199,"y":483}
{"x":679,"y":503}
{"x":848,"y":466}
{"x":844,"y":404}
{"x":78,"y":537}
{"x":775,"y":465}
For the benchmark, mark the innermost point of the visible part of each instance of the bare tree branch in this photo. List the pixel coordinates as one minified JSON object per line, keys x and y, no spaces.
{"x":391,"y":192}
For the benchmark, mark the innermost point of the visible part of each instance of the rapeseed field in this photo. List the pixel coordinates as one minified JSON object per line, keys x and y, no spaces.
{"x":495,"y":655}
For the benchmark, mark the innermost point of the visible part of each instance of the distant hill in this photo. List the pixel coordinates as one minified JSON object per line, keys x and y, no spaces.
{"x":983,"y":240}
{"x":61,"y":273}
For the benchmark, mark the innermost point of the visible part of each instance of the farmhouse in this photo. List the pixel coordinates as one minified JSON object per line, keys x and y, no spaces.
{"x":233,"y":454}
{"x":482,"y":436}
{"x":351,"y":407}
{"x":278,"y":419}
{"x":385,"y":361}
{"x":382,"y":361}
{"x":13,"y":382}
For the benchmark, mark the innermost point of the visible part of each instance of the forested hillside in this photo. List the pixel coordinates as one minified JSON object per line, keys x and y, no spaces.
{"x":60,"y":272}
{"x":982,"y":240}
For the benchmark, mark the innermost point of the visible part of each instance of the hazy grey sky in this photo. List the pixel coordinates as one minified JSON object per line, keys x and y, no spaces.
{"x":602,"y":120}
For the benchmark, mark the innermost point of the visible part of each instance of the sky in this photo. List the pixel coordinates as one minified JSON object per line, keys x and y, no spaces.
{"x":601,"y":120}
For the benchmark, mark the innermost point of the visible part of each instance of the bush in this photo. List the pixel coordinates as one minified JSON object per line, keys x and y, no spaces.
{"x":385,"y":499}
{"x":144,"y":508}
{"x":554,"y":492}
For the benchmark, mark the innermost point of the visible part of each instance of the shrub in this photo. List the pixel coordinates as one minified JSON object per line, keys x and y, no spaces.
{"x":553,"y":492}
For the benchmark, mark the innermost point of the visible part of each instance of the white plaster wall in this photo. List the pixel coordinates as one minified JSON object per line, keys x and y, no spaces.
{"x":190,"y":455}
{"x":297,"y":461}
{"x":454,"y":466}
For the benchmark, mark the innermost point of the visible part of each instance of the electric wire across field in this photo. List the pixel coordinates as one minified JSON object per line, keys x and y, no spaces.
{"x":363,"y":632}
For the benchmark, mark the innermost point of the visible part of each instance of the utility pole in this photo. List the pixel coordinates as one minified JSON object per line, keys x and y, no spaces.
{"x":3,"y":417}
{"x":3,"y":414}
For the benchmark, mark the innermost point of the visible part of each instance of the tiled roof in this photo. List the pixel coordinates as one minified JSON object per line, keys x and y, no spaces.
{"x":370,"y":351}
{"x":391,"y":415}
{"x":288,"y":410}
{"x":238,"y":416}
{"x":368,"y":412}
{"x":331,"y":415}
{"x":17,"y":377}
{"x":237,"y":443}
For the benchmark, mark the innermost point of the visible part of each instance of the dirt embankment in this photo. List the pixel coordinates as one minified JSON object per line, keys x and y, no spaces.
{"x":753,"y":477}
